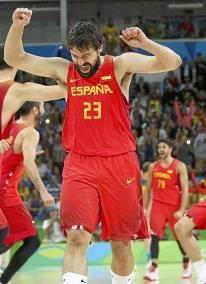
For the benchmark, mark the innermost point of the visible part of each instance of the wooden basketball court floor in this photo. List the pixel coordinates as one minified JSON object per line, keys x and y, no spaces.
{"x":169,"y":274}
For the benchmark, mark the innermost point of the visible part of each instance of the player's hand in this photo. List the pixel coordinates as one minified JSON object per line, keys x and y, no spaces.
{"x":47,"y":199}
{"x":21,"y":17}
{"x":4,"y":146}
{"x":178,"y":214}
{"x":134,"y":37}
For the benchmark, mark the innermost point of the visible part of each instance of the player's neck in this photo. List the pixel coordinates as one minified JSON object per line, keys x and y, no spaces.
{"x":7,"y":75}
{"x":167,"y":161}
{"x":27,"y":120}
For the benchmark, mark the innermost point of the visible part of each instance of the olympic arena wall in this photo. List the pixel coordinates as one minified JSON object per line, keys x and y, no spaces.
{"x":183,"y":48}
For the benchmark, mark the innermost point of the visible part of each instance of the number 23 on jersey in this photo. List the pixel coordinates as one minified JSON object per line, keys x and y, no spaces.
{"x":92,"y":110}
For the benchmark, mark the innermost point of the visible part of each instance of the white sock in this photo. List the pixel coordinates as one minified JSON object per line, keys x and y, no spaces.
{"x":74,"y":278}
{"x":200,"y":267}
{"x":116,"y":279}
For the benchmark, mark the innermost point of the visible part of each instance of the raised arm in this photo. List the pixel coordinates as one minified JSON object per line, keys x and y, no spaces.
{"x":29,"y":144}
{"x":164,"y":58}
{"x":15,"y":55}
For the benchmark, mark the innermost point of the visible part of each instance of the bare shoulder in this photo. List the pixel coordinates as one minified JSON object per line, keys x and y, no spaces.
{"x":31,"y":134}
{"x":120,"y":68}
{"x":181,"y":167}
{"x":120,"y":61}
{"x":151,"y":166}
{"x":63,"y":64}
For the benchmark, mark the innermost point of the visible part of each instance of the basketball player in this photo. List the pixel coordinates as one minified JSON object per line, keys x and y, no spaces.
{"x":13,"y":95}
{"x":195,"y":218}
{"x":96,"y":185}
{"x":19,"y":157}
{"x":167,"y":190}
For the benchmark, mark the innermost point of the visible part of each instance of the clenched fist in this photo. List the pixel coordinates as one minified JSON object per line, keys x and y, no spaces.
{"x":134,"y":37}
{"x":47,"y":199}
{"x":21,"y":17}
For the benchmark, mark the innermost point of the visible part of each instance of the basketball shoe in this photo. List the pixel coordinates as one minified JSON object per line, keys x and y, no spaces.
{"x":187,"y":270}
{"x":152,"y":274}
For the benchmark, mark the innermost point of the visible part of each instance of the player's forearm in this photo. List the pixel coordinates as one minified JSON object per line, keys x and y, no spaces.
{"x":184,"y":199}
{"x":33,"y":174}
{"x":14,"y":51}
{"x":148,"y":199}
{"x":167,"y":57}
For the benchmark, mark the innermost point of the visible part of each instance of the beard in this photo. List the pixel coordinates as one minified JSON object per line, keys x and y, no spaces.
{"x":38,"y":120}
{"x":92,"y":69}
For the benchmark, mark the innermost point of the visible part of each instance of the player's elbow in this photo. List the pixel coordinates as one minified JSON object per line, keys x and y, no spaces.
{"x":13,"y":60}
{"x":175,"y":62}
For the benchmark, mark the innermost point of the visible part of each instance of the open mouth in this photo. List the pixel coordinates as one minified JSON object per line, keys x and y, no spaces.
{"x":85,"y":68}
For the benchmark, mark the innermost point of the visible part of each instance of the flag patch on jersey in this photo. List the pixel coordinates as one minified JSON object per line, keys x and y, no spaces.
{"x":105,"y":78}
{"x":10,"y":139}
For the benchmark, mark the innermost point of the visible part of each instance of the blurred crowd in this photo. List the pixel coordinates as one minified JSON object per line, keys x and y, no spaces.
{"x":165,"y":28}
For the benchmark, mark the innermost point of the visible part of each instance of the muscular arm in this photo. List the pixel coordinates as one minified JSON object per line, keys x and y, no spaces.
{"x":148,"y":193}
{"x":29,"y":144}
{"x":182,"y":170}
{"x":163,"y":59}
{"x":15,"y":55}
{"x":37,"y":92}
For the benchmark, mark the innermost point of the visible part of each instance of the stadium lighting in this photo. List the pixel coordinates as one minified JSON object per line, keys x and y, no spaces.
{"x":186,"y":5}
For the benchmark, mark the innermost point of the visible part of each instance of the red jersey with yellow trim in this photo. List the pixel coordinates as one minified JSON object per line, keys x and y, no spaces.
{"x":97,"y":114}
{"x":12,"y":171}
{"x":166,"y":183}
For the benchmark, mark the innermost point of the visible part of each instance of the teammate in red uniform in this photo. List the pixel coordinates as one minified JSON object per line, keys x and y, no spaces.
{"x":101,"y":177}
{"x":19,"y":157}
{"x":195,"y":218}
{"x":13,"y":95}
{"x":167,"y":191}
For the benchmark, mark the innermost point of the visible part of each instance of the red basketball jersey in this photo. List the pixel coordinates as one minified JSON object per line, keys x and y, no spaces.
{"x":166,"y":184}
{"x":4,"y":86}
{"x":97,"y":114}
{"x":12,"y":170}
{"x":3,"y":221}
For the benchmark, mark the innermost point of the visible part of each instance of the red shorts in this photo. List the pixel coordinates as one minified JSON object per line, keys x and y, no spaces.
{"x":198,"y":214}
{"x":20,"y":223}
{"x":106,"y":189}
{"x":161,"y":214}
{"x":1,"y":156}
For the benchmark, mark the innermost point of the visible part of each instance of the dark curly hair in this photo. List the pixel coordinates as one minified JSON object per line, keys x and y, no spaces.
{"x":168,"y":142}
{"x":83,"y":36}
{"x":3,"y":64}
